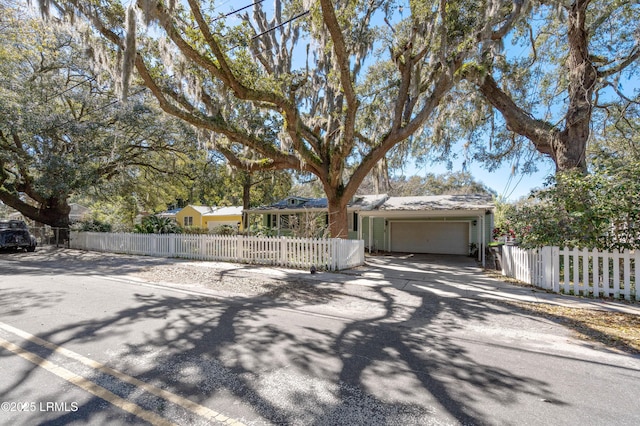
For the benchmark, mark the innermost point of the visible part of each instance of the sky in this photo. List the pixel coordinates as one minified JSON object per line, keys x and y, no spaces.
{"x":508,"y":186}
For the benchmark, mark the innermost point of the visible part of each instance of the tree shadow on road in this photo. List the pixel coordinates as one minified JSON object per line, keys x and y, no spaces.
{"x":386,"y":363}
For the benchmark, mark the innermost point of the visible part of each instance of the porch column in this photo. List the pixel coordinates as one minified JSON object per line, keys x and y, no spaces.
{"x":370,"y":232}
{"x":484,"y":260}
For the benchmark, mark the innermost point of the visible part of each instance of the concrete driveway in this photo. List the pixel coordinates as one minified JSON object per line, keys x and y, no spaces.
{"x":418,"y":266}
{"x":461,"y":276}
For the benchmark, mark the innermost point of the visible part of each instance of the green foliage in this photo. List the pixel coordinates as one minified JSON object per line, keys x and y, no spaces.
{"x":65,"y":135}
{"x":157,"y":225}
{"x":597,"y":210}
{"x":449,"y":183}
{"x":224,"y":230}
{"x":321,"y":88}
{"x":262,"y":231}
{"x":92,"y":226}
{"x":195,"y":230}
{"x":455,"y":183}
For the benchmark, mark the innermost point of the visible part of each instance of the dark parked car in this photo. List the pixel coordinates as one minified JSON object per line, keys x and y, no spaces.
{"x":14,"y":235}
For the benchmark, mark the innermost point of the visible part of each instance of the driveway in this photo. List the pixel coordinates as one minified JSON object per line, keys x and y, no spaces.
{"x":418,"y":266}
{"x":462,"y":276}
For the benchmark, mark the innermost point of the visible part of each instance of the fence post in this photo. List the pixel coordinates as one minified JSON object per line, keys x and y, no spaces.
{"x":334,"y":254}
{"x":239,"y":249}
{"x":596,"y":272}
{"x":172,"y":245}
{"x":547,"y":267}
{"x":636,"y":267}
{"x":506,"y":261}
{"x":555,"y":269}
{"x":283,"y":251}
{"x":627,"y":274}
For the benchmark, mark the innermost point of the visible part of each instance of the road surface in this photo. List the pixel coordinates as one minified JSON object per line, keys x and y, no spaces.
{"x":83,"y":343}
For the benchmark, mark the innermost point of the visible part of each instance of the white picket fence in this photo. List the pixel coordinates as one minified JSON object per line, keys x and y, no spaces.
{"x":576,"y":271}
{"x":325,"y":254}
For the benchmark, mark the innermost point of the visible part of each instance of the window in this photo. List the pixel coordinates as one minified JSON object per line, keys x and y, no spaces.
{"x":284,"y":221}
{"x":188,"y":221}
{"x":353,"y":221}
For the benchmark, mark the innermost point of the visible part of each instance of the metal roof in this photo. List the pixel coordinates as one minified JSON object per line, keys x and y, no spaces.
{"x":225,"y":211}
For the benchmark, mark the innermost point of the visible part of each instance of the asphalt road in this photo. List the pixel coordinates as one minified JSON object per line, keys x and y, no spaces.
{"x":81,"y":343}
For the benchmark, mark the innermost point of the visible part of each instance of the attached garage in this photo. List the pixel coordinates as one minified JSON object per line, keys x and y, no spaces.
{"x":436,"y":237}
{"x":434,"y":224}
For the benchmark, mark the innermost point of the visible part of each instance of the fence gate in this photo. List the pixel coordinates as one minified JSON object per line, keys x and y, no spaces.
{"x":49,"y":236}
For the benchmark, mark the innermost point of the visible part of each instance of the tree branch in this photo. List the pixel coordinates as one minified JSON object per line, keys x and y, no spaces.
{"x":631,"y":58}
{"x":540,"y":133}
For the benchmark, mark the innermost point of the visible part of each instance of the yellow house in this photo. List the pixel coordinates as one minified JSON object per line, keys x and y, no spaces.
{"x":210,"y":217}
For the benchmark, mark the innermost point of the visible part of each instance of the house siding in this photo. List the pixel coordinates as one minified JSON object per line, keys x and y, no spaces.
{"x":189,"y":212}
{"x":378,"y":240}
{"x":236,"y":220}
{"x":202,"y":221}
{"x":371,"y":221}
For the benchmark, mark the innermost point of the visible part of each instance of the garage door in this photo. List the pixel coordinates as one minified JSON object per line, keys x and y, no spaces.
{"x":430,"y":237}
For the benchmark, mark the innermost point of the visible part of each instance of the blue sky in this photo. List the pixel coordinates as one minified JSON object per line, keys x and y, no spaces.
{"x":501,"y":180}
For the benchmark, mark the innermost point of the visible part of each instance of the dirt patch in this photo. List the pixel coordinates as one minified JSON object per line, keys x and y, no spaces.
{"x":613,"y":329}
{"x":617,"y":330}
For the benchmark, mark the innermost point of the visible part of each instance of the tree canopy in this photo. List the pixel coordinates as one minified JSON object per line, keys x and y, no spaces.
{"x":569,"y":71}
{"x":326,"y":87}
{"x":63,"y":132}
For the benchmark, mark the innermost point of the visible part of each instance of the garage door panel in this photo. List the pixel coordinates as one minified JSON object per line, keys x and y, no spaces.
{"x":430,"y":237}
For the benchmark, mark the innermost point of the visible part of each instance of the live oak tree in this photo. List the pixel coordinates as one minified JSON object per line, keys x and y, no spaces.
{"x":445,"y":184}
{"x":568,"y":86}
{"x":63,"y":133}
{"x":571,"y":71}
{"x":323,"y":87}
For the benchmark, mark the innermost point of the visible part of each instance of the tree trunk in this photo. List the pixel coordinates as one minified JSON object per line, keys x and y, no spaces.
{"x":338,"y":221}
{"x":54,"y":211}
{"x":566,"y":147}
{"x":570,"y":153}
{"x":59,"y":220}
{"x":246,"y":199}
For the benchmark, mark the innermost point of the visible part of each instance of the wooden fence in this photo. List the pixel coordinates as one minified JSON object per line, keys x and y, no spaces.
{"x":324,"y":254}
{"x":576,"y":271}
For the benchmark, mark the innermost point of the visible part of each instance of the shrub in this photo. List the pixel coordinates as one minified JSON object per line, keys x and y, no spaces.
{"x":91,"y":226}
{"x":597,"y":210}
{"x":157,"y":225}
